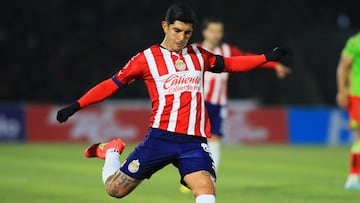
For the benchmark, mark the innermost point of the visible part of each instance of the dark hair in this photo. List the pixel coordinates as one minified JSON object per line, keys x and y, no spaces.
{"x":205,"y":23}
{"x":181,"y":13}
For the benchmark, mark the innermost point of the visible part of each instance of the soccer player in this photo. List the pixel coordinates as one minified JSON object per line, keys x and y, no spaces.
{"x":179,"y":127}
{"x":215,"y":85}
{"x":348,"y":96}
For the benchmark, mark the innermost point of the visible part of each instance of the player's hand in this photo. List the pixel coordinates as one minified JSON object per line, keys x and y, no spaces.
{"x":277,"y":53}
{"x":65,"y":113}
{"x":342,"y":100}
{"x":282,"y":71}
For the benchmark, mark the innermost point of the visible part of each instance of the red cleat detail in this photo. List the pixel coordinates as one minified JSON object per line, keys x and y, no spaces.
{"x":99,"y":149}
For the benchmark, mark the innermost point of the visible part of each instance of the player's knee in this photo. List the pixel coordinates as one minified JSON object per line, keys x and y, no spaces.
{"x":203,"y":186}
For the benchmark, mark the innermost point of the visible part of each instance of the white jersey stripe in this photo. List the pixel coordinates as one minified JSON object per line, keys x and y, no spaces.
{"x":192,"y":118}
{"x":202,"y":119}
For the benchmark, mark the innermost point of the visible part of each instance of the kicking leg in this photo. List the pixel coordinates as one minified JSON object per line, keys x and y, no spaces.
{"x":116,"y":182}
{"x":119,"y":184}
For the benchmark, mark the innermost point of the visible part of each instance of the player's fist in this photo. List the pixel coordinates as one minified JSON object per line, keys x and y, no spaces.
{"x":277,"y":53}
{"x":65,"y":113}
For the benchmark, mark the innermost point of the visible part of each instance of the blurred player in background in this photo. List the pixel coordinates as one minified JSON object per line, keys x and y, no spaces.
{"x":179,"y":127}
{"x":215,"y":84}
{"x":348,"y":96}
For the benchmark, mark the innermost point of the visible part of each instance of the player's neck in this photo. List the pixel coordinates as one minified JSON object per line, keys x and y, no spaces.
{"x":208,"y":45}
{"x":167,"y":47}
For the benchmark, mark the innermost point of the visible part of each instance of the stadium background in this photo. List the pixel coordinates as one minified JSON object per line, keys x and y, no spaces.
{"x":54,"y":51}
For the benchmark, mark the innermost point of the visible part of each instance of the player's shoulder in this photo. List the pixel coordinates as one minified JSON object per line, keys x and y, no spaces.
{"x":138,"y":58}
{"x":151,"y":49}
{"x":356,"y":36}
{"x":352,"y":45}
{"x":354,"y":39}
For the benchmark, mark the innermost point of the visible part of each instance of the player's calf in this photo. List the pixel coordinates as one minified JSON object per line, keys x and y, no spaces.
{"x":119,"y":184}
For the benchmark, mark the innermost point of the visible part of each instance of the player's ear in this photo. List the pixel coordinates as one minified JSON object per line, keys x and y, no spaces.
{"x":164,"y":26}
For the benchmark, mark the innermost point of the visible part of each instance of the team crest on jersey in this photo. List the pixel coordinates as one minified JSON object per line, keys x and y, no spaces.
{"x":180,"y":65}
{"x":134,"y":166}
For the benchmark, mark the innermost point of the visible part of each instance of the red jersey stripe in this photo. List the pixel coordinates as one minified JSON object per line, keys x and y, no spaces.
{"x":160,"y":62}
{"x":183,"y":125}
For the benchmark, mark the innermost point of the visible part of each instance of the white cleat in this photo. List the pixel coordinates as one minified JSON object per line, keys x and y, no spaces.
{"x":352,"y":185}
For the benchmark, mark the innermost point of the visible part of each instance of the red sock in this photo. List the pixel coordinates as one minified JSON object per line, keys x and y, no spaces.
{"x":355,"y":163}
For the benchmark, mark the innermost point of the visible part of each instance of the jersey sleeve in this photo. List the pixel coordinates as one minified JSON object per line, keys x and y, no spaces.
{"x":218,"y":64}
{"x":243,"y":63}
{"x":98,"y":93}
{"x":133,"y":70}
{"x":350,"y":48}
{"x":237,"y":52}
{"x":234,"y":51}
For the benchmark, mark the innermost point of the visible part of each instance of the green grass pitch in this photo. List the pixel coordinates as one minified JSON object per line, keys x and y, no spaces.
{"x":42,"y":173}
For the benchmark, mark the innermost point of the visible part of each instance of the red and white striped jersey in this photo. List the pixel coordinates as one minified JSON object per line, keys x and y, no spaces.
{"x":175,"y":84}
{"x":215,"y":84}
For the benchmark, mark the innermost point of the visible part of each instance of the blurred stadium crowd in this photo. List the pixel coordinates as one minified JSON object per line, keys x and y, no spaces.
{"x":53,"y":51}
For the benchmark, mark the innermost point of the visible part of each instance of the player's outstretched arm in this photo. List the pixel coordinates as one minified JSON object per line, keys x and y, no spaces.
{"x":245,"y":63}
{"x":97,"y":94}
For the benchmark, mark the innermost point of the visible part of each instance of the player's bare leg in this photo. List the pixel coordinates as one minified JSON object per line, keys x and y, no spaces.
{"x":202,"y":185}
{"x":119,"y":185}
{"x":214,"y":146}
